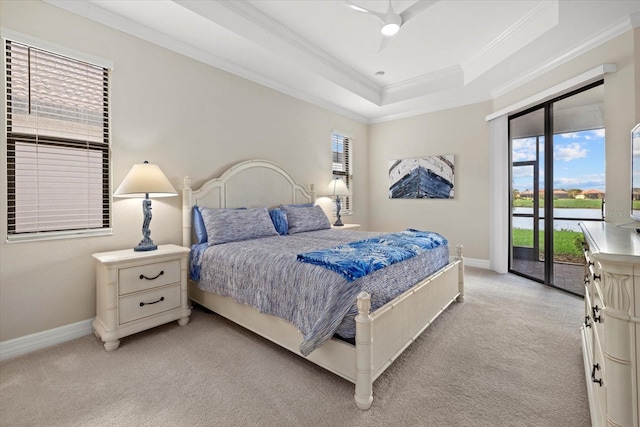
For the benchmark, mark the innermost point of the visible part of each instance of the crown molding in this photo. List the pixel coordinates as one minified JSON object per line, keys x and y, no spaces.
{"x":331,"y":70}
{"x":542,"y":18}
{"x":307,"y":54}
{"x":118,"y":22}
{"x":602,"y":37}
{"x":437,"y":81}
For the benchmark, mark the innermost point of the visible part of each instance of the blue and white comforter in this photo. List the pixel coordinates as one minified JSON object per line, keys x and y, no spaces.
{"x":357,"y":259}
{"x":265,"y":274}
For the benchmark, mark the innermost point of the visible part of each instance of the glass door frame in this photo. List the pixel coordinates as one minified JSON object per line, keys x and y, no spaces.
{"x":548,"y":212}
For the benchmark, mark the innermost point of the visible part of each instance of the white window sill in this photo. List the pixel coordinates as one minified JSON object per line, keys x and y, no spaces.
{"x":58,"y":235}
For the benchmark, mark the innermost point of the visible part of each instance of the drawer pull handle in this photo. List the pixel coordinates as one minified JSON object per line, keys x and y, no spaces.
{"x":591,"y":264}
{"x":596,"y":276}
{"x":586,"y":279}
{"x":142,"y":304}
{"x":587,"y":324}
{"x":596,"y":318}
{"x":142,"y":276}
{"x":596,"y":367}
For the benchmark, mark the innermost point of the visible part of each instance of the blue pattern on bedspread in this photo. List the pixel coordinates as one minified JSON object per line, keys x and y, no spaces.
{"x":195,"y":259}
{"x":357,"y":259}
{"x":265,"y":274}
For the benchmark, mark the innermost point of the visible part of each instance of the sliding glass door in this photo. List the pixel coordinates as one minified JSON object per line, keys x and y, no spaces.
{"x":556,"y":185}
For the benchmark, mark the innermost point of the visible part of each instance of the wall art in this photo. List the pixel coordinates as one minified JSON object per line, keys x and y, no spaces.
{"x":422,"y":178}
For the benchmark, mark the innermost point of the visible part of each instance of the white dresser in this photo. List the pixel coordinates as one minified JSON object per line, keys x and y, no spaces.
{"x":611,"y":326}
{"x":136,"y":291}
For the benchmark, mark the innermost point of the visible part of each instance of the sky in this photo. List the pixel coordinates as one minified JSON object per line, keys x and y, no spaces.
{"x":578,"y":160}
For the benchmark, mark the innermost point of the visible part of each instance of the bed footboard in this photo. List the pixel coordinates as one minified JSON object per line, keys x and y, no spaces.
{"x":383,"y":335}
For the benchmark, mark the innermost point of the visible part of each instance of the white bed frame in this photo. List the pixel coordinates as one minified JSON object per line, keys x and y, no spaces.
{"x":381,"y":336}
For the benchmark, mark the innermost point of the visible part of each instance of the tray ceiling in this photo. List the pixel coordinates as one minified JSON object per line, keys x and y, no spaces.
{"x":453,"y":53}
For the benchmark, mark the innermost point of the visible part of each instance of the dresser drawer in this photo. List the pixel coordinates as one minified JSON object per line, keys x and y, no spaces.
{"x":597,"y":379}
{"x":135,"y":279}
{"x":143,"y":304}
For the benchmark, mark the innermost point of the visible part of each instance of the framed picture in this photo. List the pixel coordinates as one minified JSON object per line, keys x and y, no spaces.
{"x":422,"y":178}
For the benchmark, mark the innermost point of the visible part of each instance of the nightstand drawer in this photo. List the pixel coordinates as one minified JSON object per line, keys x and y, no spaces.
{"x":134,"y":279}
{"x":134,"y":307}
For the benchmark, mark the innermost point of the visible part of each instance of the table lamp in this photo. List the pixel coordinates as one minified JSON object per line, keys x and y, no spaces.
{"x":145,"y":180}
{"x":337,"y":188}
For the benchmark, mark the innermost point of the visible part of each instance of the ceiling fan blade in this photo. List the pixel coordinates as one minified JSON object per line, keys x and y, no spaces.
{"x":384,"y":41}
{"x":361,"y":9}
{"x":416,"y":8}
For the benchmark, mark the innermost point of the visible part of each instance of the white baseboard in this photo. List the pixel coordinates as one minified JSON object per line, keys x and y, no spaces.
{"x":480,"y":263}
{"x":37,"y":341}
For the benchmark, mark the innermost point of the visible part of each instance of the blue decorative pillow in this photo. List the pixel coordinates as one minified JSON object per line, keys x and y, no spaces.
{"x":279,"y":219}
{"x":299,"y":205}
{"x":232,"y":225}
{"x":306,"y":219}
{"x":198,"y":226}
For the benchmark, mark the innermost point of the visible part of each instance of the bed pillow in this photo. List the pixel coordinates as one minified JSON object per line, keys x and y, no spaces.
{"x":299,"y":205}
{"x":279,"y":219}
{"x":306,"y":219}
{"x":232,"y":225}
{"x":198,"y":226}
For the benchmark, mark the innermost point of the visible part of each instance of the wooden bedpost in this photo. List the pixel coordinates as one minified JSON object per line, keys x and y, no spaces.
{"x":186,"y":213}
{"x":459,"y":256}
{"x":312,"y":192}
{"x":364,"y":353}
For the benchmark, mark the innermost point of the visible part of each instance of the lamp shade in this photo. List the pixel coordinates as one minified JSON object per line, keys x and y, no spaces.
{"x":337,"y":187}
{"x":145,"y":179}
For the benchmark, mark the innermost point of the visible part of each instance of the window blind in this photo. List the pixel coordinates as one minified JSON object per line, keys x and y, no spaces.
{"x":340,"y":147}
{"x":58,"y":150}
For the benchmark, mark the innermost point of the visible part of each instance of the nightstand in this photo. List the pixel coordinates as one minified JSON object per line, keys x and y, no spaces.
{"x":136,"y":291}
{"x":346,"y":226}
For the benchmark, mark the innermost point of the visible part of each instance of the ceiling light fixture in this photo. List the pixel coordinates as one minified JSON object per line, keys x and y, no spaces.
{"x":392,"y":21}
{"x":389,"y":29}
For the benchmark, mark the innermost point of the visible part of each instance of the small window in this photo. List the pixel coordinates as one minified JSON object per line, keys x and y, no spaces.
{"x":58,"y":150}
{"x":341,"y":149}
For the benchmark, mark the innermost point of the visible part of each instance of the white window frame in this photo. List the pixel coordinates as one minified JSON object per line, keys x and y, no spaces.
{"x":69,"y":145}
{"x":342,"y":167}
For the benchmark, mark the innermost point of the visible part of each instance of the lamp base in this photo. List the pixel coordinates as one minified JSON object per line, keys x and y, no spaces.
{"x":338,"y":222}
{"x":146,"y":245}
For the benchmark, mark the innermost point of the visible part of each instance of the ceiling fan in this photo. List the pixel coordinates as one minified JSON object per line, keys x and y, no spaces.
{"x":392,"y":21}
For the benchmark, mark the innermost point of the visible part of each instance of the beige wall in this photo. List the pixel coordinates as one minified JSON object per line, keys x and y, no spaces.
{"x":462,"y":132}
{"x":637,"y":71}
{"x":194,"y":119}
{"x":190,"y":119}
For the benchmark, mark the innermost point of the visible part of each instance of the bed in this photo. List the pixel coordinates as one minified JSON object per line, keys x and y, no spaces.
{"x":380,"y":335}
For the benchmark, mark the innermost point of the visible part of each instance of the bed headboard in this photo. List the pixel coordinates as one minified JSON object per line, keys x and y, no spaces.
{"x":249,"y":184}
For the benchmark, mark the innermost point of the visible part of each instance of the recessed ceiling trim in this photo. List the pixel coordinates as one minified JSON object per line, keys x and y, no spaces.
{"x":445,"y":79}
{"x":431,"y":107}
{"x":118,"y":22}
{"x":602,"y":37}
{"x":542,"y":18}
{"x":308,"y":55}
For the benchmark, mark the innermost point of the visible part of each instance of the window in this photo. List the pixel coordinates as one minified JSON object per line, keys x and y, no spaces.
{"x":340,"y":146}
{"x":58,"y":151}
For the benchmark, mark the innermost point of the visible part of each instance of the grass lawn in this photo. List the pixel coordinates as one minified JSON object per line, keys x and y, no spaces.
{"x":567,"y":244}
{"x":562,"y":203}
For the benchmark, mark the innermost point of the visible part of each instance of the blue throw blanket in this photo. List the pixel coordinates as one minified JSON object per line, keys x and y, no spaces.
{"x":357,"y":259}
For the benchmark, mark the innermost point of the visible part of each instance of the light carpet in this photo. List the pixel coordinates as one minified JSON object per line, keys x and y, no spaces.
{"x":510,"y":355}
